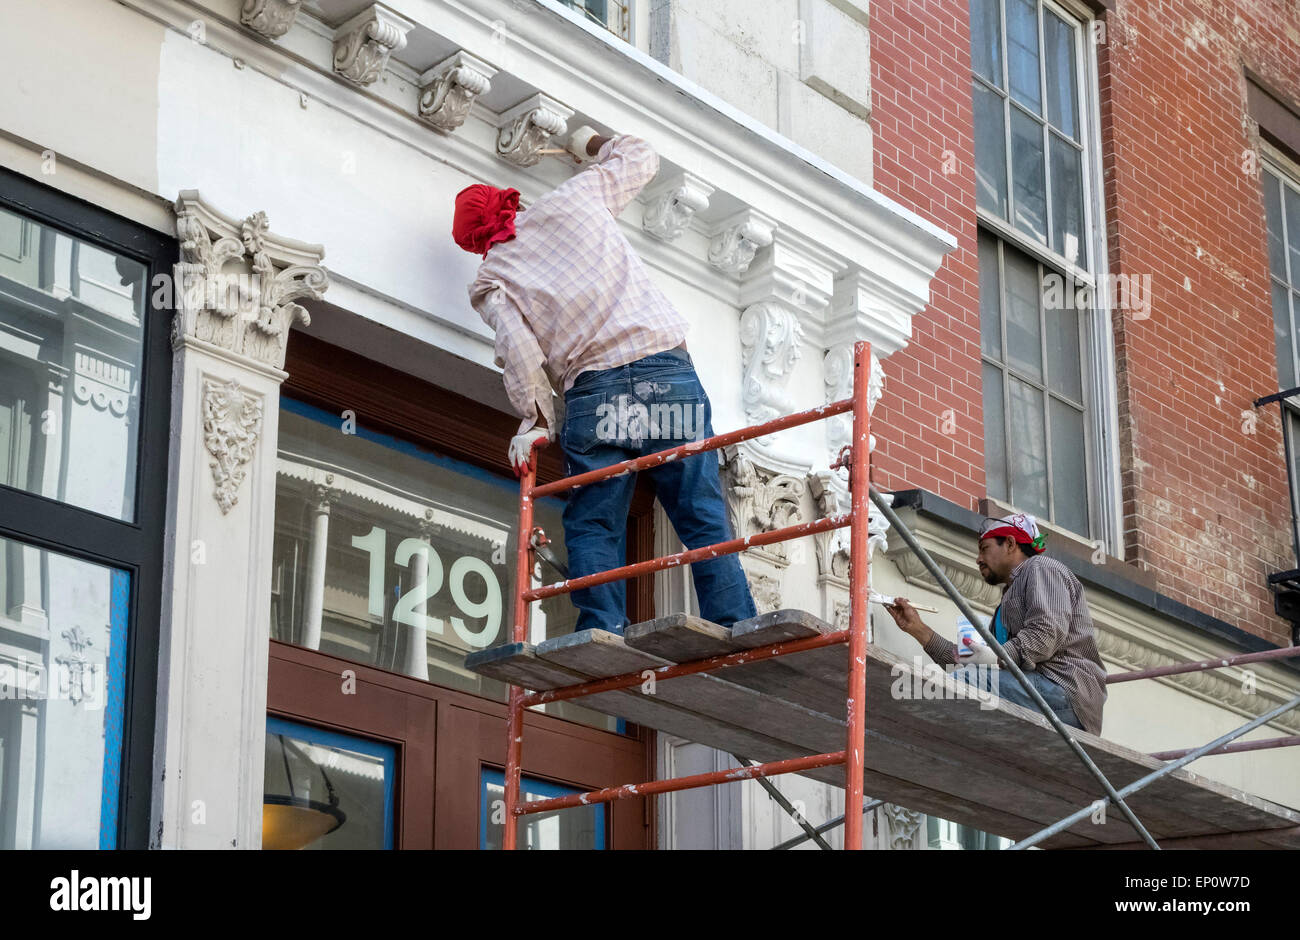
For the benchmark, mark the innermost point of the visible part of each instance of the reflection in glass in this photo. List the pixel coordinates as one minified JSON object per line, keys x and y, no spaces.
{"x":62,"y":675}
{"x":986,"y":40}
{"x":1067,"y":200}
{"x":1022,"y":53}
{"x":1282,"y":328}
{"x":1062,"y":83}
{"x":389,"y":555}
{"x":990,"y":297}
{"x":71,"y":328}
{"x":326,"y":791}
{"x":1026,"y":439}
{"x":581,"y":827}
{"x":990,"y":152}
{"x":1027,"y":175}
{"x":1273,"y":213}
{"x":1024,"y":328}
{"x":995,"y":444}
{"x":1063,"y":360}
{"x":1069,"y":485}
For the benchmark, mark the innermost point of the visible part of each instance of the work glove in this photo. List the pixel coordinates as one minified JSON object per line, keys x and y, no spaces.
{"x":578,"y":141}
{"x":521,"y":454}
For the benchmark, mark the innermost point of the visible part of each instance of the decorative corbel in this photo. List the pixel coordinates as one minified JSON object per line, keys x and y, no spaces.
{"x":523,"y":129}
{"x":770,"y":334}
{"x":270,"y":18}
{"x":736,"y":240}
{"x":449,"y":88}
{"x":363,"y":44}
{"x":672,"y":204}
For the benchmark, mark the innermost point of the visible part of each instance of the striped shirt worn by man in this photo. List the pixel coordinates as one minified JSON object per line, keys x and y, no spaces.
{"x":568,"y":293}
{"x":1050,"y":630}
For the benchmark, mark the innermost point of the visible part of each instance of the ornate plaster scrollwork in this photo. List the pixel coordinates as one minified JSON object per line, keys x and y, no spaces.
{"x":523,"y":129}
{"x":270,"y":18}
{"x":75,"y":663}
{"x":449,"y":88}
{"x":670,"y":206}
{"x":770,"y":334}
{"x":832,"y":547}
{"x":766,"y":590}
{"x":363,"y":44}
{"x":737,"y":239}
{"x":838,"y":375}
{"x":237,"y":282}
{"x":762,"y":500}
{"x":904,"y":825}
{"x":232,"y":423}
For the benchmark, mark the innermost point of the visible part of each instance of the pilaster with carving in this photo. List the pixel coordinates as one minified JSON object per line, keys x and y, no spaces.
{"x":448,"y":90}
{"x":761,"y":500}
{"x":237,"y":287}
{"x":363,"y":44}
{"x":673,"y":203}
{"x":523,"y":130}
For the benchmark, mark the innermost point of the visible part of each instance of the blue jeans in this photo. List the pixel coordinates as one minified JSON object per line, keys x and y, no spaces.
{"x":626,"y":412}
{"x":1012,"y":691}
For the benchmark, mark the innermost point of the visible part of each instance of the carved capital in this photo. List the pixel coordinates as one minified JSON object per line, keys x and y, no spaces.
{"x":449,"y":88}
{"x":363,"y":44}
{"x":736,"y":240}
{"x":672,"y":204}
{"x":766,"y":591}
{"x":232,"y":424}
{"x":270,"y":18}
{"x":761,"y":500}
{"x":236,"y":282}
{"x":904,"y":825}
{"x":522,"y":130}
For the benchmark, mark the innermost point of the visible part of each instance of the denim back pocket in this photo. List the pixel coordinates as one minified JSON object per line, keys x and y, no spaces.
{"x":672,"y":405}
{"x":583,"y":413}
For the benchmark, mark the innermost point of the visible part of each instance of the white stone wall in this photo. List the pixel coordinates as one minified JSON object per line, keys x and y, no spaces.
{"x":802,"y":67}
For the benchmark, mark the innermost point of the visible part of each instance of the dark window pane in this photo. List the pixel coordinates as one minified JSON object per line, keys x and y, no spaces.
{"x":1282,"y":335}
{"x":1022,"y":53}
{"x":990,"y":152}
{"x":995,"y":449}
{"x":986,"y":39}
{"x":990,"y":297}
{"x":1027,"y":175}
{"x":580,"y":827}
{"x":1069,"y":484}
{"x":1062,"y":76}
{"x":1067,"y":200}
{"x":1064,"y":369}
{"x":1273,"y":213}
{"x":1026,"y":445}
{"x":1024,"y":332}
{"x":1292,"y":200}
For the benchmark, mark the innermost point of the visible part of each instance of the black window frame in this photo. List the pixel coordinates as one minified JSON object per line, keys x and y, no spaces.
{"x":136,"y":546}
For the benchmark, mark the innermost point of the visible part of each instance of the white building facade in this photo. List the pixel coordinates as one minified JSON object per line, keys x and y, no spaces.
{"x":255,"y":429}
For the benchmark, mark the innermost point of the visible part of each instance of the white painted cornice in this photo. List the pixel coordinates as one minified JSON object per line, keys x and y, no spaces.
{"x":545,"y":48}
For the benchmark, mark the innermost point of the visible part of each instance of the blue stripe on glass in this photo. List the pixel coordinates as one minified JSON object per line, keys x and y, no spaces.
{"x":541,"y":788}
{"x":385,"y":752}
{"x":321,"y":416}
{"x":119,"y":608}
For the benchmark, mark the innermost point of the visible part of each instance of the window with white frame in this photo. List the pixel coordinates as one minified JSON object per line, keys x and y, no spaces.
{"x":1280,"y":179}
{"x":613,"y":15}
{"x":1040,"y":327}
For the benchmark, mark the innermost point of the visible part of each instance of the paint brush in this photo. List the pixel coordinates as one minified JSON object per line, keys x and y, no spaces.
{"x":888,"y":601}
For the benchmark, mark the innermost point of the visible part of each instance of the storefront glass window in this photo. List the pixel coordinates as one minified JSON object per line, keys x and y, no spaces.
{"x":326,"y":791}
{"x":393,"y":556}
{"x":581,"y":827}
{"x":63,"y":625}
{"x":71,"y":328}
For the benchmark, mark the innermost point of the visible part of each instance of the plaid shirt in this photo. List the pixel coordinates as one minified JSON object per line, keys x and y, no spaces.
{"x":568,"y":293}
{"x":1050,"y":630}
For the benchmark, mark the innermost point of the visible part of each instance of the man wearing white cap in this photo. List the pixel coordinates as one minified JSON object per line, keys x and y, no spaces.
{"x":1042,"y":623}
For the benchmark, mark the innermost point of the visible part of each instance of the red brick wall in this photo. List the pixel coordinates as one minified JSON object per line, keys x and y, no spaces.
{"x":1204,"y":495}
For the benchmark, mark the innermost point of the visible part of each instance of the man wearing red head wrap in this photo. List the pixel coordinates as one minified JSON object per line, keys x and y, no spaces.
{"x":1042,"y":623}
{"x":574,"y":309}
{"x":485,"y":215}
